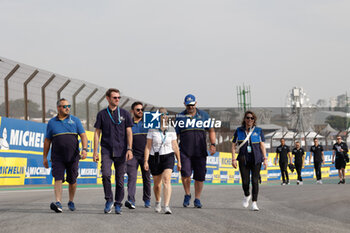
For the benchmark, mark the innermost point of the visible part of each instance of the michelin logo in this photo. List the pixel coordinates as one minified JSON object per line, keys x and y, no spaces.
{"x":27,"y":138}
{"x":4,"y":145}
{"x":37,"y":171}
{"x":11,"y":170}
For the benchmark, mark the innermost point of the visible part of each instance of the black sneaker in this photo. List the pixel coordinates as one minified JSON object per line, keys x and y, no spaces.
{"x":340,"y":182}
{"x":130,"y":204}
{"x":343,"y":181}
{"x":57,"y":207}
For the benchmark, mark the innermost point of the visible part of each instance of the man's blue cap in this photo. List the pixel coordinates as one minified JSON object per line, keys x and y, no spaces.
{"x":190,"y":99}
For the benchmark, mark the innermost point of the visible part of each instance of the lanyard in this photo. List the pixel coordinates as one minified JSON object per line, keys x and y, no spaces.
{"x":163,"y":137}
{"x":110,"y":115}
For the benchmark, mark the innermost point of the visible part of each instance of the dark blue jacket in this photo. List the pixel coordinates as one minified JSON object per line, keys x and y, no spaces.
{"x":255,"y":139}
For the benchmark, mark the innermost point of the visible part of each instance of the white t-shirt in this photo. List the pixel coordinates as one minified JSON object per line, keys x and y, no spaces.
{"x":157,"y":137}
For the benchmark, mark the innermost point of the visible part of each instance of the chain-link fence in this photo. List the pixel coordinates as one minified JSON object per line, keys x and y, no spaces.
{"x":30,"y":93}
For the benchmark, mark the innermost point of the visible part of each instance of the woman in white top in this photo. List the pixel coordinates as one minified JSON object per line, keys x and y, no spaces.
{"x":159,"y":158}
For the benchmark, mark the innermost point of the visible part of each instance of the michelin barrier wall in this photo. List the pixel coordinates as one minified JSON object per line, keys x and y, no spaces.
{"x":22,"y":142}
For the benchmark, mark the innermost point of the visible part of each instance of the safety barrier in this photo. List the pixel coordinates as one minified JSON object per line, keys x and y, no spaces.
{"x":21,"y":160}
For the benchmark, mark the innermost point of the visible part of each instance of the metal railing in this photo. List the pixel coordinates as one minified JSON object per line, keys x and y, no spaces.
{"x":31,"y":93}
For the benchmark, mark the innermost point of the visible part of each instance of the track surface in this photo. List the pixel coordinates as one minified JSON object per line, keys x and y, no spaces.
{"x":307,"y":208}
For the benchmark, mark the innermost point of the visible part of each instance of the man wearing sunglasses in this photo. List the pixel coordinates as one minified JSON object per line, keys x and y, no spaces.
{"x":193,"y":149}
{"x":114,"y":123}
{"x":62,"y":132}
{"x":138,"y":145}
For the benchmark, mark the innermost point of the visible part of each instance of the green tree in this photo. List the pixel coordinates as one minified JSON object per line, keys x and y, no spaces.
{"x":337,"y":122}
{"x":17,"y":108}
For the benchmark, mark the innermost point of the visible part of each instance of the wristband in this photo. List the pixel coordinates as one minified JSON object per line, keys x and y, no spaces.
{"x":85,"y":149}
{"x":130,"y":149}
{"x":213,"y":144}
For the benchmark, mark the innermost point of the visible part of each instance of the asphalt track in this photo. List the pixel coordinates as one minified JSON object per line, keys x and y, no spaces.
{"x":307,"y":208}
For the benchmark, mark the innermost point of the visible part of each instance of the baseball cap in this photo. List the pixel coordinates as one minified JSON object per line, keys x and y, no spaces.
{"x":190,"y":99}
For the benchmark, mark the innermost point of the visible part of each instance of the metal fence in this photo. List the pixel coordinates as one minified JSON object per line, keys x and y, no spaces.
{"x":31,"y":93}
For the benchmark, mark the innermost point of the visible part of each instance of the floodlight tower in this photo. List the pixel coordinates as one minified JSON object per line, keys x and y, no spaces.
{"x":244,"y":97}
{"x":297,"y":100}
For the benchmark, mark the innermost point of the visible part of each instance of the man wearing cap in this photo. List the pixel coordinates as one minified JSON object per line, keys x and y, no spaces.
{"x":62,"y":133}
{"x":114,"y":123}
{"x":191,"y":131}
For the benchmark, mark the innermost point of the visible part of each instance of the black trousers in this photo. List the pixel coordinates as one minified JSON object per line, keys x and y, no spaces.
{"x":284,"y":172}
{"x":245,"y":170}
{"x":298,"y":167}
{"x":317,"y":166}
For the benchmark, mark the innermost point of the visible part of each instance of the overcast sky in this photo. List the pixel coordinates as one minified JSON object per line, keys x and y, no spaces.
{"x":158,"y":51}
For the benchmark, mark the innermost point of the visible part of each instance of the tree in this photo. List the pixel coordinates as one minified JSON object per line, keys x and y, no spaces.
{"x":337,"y":122}
{"x":17,"y":108}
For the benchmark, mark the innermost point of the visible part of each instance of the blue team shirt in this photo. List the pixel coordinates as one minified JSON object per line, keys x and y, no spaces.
{"x":64,"y":138}
{"x":193,"y":137}
{"x":256,"y":137}
{"x":139,"y":139}
{"x":70,"y":125}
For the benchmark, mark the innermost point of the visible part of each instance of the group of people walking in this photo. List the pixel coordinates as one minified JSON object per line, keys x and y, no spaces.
{"x":123,"y":141}
{"x":285,"y":159}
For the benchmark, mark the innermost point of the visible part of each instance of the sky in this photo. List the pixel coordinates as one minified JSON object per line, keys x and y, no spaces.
{"x":158,"y":51}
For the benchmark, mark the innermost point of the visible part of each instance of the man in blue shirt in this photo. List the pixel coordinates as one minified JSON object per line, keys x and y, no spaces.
{"x":193,"y":147}
{"x":114,"y":123}
{"x":62,"y":131}
{"x":138,"y":145}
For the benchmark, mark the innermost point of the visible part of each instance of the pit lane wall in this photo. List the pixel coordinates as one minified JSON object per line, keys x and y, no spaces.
{"x":21,"y":163}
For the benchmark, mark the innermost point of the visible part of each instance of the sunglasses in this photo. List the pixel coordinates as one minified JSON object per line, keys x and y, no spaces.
{"x":66,"y":106}
{"x":139,"y":109}
{"x":116,"y":97}
{"x":190,"y":105}
{"x":249,"y":118}
{"x":164,"y":114}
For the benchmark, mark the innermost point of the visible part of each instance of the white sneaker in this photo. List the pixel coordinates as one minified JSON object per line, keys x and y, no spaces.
{"x":254,"y":206}
{"x":158,"y":207}
{"x":320,"y":182}
{"x":246,"y":200}
{"x":300,"y":183}
{"x":167,"y":210}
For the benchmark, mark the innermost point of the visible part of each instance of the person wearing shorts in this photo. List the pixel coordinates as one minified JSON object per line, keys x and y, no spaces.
{"x":114,"y":123}
{"x":193,"y":148}
{"x":139,"y":139}
{"x":282,"y":155}
{"x":340,"y":149}
{"x":318,"y":157}
{"x":159,"y":158}
{"x":62,"y":133}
